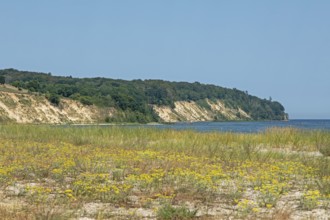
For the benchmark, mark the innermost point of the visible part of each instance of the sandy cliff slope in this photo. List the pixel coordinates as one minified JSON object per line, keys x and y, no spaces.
{"x":26,"y":107}
{"x":23,"y":107}
{"x":192,"y":112}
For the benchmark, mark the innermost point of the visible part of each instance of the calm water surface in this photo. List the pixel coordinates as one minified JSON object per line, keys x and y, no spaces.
{"x":247,"y":126}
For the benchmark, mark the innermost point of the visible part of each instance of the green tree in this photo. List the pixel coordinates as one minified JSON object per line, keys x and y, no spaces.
{"x":2,"y":80}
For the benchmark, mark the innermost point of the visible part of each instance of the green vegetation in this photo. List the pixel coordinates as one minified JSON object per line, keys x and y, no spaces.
{"x":53,"y":98}
{"x":2,"y":80}
{"x":325,"y":149}
{"x":168,"y":212}
{"x":62,"y":172}
{"x":134,"y":98}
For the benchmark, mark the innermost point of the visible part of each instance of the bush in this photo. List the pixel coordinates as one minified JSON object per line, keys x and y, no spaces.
{"x":325,"y":149}
{"x":167,"y":211}
{"x":2,"y":80}
{"x":86,"y":100}
{"x":204,"y":104}
{"x":54,"y":99}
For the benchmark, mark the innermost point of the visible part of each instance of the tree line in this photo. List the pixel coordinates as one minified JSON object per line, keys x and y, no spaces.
{"x":135,"y":98}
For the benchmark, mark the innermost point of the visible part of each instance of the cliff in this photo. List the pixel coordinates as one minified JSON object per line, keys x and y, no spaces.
{"x":193,"y":112}
{"x":114,"y":100}
{"x":23,"y":107}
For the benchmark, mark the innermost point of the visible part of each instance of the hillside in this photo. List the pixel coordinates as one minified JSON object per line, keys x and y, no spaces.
{"x":23,"y":107}
{"x":109,"y":100}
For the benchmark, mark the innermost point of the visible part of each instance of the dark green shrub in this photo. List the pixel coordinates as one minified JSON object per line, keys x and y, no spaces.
{"x":86,"y":100}
{"x":2,"y":80}
{"x":54,"y":99}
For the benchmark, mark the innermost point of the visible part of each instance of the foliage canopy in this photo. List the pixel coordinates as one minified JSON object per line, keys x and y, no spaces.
{"x":135,"y":98}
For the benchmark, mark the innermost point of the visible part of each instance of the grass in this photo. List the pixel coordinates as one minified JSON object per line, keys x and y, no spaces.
{"x":168,"y":212}
{"x":11,"y":89}
{"x":325,"y":149}
{"x":57,"y":172}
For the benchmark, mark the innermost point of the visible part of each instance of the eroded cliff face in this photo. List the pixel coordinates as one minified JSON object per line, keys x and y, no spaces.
{"x":193,"y":112}
{"x":21,"y":107}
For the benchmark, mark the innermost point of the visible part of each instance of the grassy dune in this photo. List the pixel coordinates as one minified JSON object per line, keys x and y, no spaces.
{"x":52,"y":172}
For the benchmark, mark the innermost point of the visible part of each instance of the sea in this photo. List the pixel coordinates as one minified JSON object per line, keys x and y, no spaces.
{"x":246,"y":126}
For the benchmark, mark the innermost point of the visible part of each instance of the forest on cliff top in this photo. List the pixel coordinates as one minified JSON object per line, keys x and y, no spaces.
{"x":136,"y":97}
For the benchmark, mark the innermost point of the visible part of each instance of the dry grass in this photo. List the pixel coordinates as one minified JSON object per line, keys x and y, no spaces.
{"x":58,"y":172}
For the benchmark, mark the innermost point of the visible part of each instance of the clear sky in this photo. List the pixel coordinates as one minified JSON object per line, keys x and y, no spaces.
{"x":278,"y":49}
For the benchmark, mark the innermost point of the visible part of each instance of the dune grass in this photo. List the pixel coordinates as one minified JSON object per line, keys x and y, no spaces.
{"x":57,"y":172}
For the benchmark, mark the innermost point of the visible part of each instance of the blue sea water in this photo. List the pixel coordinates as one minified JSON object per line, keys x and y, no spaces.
{"x":247,"y":126}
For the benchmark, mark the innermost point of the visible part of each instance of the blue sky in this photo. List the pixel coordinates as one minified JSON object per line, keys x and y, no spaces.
{"x":269,"y":48}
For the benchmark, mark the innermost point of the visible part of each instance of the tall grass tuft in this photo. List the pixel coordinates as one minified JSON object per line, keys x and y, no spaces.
{"x":168,"y":212}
